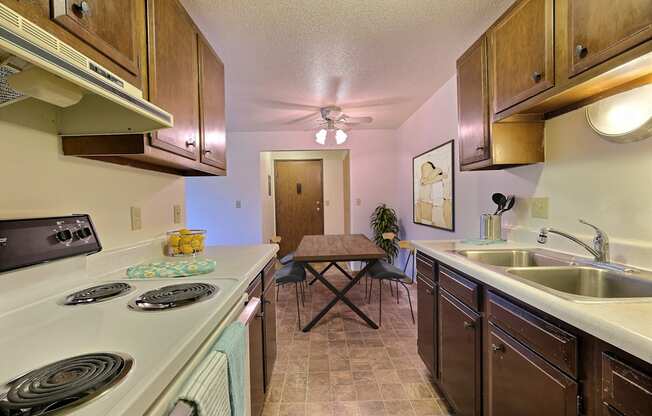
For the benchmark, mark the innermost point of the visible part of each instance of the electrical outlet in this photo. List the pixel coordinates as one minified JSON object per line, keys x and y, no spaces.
{"x":238,"y":204}
{"x":539,"y":207}
{"x":358,"y":201}
{"x":177,"y":214}
{"x":136,"y":219}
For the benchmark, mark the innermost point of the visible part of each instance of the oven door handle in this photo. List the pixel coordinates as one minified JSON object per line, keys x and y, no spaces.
{"x":183,"y":408}
{"x":250,"y":311}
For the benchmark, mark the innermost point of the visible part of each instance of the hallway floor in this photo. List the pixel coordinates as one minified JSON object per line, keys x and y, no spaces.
{"x":343,"y":367}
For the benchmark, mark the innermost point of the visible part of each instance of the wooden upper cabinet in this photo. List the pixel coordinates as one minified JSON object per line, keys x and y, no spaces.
{"x":522,"y":53}
{"x":601,"y":29}
{"x":111,"y":27}
{"x":212,"y":106}
{"x":174,"y":75}
{"x":473,"y":104}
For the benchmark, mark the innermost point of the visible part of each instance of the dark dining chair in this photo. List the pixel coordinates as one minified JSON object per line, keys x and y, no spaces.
{"x":384,"y":271}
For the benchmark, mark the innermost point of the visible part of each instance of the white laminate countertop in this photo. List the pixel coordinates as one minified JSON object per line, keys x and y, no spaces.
{"x":627,"y":326}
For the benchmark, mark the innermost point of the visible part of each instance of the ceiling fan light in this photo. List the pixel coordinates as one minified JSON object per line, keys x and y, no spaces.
{"x":340,"y":136}
{"x":320,"y":136}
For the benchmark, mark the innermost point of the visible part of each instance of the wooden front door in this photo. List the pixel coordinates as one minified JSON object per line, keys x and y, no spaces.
{"x":299,"y":201}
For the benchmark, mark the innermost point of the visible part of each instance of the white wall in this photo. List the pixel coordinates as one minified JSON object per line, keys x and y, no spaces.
{"x":211,"y":200}
{"x":584,"y":177}
{"x":37,"y":180}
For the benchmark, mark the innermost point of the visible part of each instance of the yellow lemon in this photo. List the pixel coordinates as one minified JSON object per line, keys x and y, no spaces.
{"x":195,"y":244}
{"x":175,"y":250}
{"x":184,"y":231}
{"x":187,"y":249}
{"x":174,"y":240}
{"x":186,"y":239}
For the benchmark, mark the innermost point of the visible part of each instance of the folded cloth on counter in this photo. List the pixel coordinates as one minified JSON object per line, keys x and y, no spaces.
{"x":233,"y":343}
{"x":180,"y":268}
{"x":207,"y":389}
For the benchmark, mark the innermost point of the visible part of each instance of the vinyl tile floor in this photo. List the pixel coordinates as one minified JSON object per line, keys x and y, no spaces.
{"x":344,"y":367}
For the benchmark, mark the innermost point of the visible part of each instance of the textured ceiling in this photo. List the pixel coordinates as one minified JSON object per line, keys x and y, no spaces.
{"x":381,"y":58}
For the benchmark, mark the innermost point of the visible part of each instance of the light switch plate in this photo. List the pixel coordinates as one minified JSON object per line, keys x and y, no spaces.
{"x":539,"y":207}
{"x":358,"y":201}
{"x":136,"y":219}
{"x":238,"y":204}
{"x":177,"y":214}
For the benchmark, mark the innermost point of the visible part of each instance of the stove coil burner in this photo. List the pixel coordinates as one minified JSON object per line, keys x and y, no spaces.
{"x":97,"y":294}
{"x":63,"y":384}
{"x":173,"y":296}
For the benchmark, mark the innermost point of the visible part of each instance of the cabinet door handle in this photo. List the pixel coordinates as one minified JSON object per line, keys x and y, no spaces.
{"x":191,"y":142}
{"x":479,"y":148}
{"x":537,"y":76}
{"x":430,"y":291}
{"x":581,"y":51}
{"x":261,"y":315}
{"x":469,"y":325}
{"x":207,"y":152}
{"x":83,"y":8}
{"x":497,"y":348}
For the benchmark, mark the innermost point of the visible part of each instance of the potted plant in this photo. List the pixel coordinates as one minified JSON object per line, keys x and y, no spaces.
{"x":384,"y":223}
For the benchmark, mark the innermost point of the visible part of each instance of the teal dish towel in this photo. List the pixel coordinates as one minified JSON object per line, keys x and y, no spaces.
{"x":233,"y":343}
{"x":207,"y":390}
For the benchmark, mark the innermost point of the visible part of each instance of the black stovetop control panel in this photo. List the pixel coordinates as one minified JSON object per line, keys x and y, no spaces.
{"x":26,"y":242}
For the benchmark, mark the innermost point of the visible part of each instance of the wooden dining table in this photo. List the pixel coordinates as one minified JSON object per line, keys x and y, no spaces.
{"x":332,"y":249}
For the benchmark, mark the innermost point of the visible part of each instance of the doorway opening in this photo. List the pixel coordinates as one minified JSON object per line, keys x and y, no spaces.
{"x":304,"y":193}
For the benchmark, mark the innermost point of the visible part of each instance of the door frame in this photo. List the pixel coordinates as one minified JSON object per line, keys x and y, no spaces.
{"x":321,"y":179}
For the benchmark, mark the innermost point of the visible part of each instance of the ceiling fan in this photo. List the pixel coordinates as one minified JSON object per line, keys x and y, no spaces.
{"x":335,"y":122}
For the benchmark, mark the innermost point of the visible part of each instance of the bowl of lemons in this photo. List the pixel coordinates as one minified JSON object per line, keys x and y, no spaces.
{"x":185,"y":242}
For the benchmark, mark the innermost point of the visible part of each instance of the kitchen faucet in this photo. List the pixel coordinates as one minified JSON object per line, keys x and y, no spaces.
{"x":600,"y":249}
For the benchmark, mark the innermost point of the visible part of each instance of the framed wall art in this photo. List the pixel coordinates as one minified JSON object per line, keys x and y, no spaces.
{"x":433,"y":195}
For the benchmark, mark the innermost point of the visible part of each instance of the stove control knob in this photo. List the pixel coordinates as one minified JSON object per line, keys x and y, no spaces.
{"x":83,"y":233}
{"x":63,"y":236}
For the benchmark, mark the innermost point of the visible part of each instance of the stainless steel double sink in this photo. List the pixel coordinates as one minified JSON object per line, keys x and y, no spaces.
{"x":567,"y":277}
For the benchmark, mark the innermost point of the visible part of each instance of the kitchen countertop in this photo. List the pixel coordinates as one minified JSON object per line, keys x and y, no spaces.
{"x":625,"y":325}
{"x":161,"y":343}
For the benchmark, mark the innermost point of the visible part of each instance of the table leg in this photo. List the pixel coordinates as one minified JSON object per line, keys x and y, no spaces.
{"x":340,"y":295}
{"x":322,"y":272}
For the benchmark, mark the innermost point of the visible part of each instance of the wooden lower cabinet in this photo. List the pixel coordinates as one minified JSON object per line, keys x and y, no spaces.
{"x":521,"y":383}
{"x":506,"y":358}
{"x":269,"y":324}
{"x":426,"y":323}
{"x":460,"y":355}
{"x":256,"y":353}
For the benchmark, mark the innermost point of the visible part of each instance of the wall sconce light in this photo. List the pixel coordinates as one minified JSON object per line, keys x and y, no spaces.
{"x":625,"y":117}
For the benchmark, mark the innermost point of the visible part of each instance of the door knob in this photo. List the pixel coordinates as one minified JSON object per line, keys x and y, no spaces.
{"x":497,"y":348}
{"x":83,"y":8}
{"x":536,"y":76}
{"x":581,"y":51}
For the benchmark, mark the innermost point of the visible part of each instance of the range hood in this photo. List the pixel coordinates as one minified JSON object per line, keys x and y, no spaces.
{"x":90,"y":99}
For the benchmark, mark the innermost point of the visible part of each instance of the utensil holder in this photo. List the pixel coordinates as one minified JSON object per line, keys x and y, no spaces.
{"x":491,"y":227}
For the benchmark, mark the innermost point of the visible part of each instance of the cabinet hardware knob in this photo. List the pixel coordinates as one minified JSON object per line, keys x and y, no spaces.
{"x":83,"y":8}
{"x":581,"y":51}
{"x":497,"y":348}
{"x":537,"y":76}
{"x":469,"y":325}
{"x":430,"y":291}
{"x":479,"y":148}
{"x":207,"y":151}
{"x":261,"y":315}
{"x":190,"y":142}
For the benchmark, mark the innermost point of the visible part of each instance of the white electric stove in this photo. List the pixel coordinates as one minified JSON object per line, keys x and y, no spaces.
{"x":110,"y":350}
